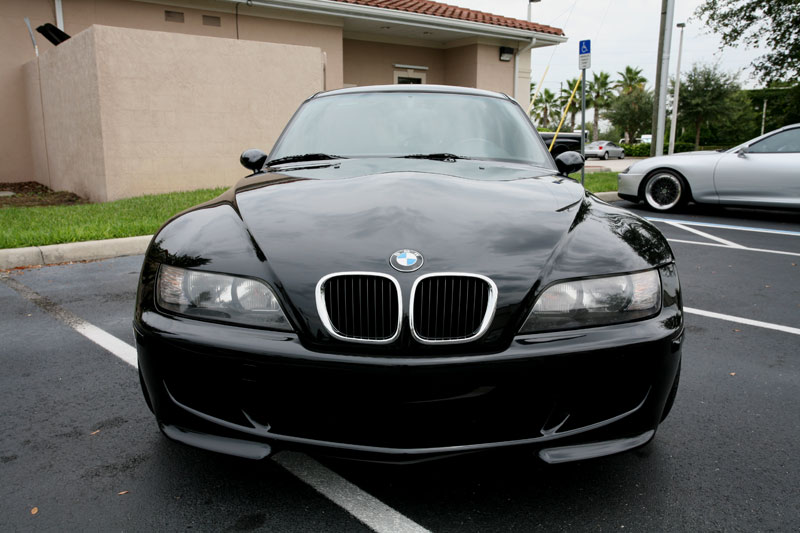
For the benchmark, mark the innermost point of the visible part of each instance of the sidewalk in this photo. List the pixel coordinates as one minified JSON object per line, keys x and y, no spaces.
{"x":93,"y":250}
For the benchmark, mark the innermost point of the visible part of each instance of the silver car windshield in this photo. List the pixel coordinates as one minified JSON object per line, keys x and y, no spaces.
{"x":398,"y":124}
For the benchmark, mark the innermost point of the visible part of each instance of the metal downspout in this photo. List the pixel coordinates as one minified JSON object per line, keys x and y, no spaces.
{"x":59,"y":15}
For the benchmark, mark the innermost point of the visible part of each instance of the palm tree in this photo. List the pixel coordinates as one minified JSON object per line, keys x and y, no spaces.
{"x":546,"y":104}
{"x":631,"y":86}
{"x":566,"y":91}
{"x":630,"y":80}
{"x":600,"y":96}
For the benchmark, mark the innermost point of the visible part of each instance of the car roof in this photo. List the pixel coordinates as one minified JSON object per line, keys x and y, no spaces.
{"x":403,"y":88}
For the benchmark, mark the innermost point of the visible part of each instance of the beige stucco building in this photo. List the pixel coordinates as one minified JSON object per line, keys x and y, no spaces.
{"x":149,"y":96}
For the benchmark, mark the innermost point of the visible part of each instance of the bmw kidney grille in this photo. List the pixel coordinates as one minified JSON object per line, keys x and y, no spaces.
{"x":451,"y":308}
{"x":367,"y":307}
{"x":363,"y":307}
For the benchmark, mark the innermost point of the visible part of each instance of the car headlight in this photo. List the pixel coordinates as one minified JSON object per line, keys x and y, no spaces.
{"x":627,"y":170}
{"x":595,"y":302}
{"x":219,"y":297}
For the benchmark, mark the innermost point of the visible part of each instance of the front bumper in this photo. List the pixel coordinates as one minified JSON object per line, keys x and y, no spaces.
{"x":628,"y":185}
{"x":572,"y":395}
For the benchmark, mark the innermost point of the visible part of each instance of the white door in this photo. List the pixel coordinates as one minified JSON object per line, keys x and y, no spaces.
{"x":764,"y":173}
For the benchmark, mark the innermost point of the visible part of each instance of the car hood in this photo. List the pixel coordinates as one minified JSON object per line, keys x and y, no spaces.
{"x":522,"y":227}
{"x":502,"y":228}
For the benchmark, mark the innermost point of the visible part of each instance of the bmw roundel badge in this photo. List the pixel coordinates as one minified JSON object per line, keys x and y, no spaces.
{"x":406,"y":260}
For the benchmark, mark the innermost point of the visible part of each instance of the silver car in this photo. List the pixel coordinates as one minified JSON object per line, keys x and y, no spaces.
{"x":763,"y":172}
{"x":604,"y":150}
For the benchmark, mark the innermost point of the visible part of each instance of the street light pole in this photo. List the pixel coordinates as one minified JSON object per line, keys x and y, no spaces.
{"x":529,"y":8}
{"x":673,"y":126}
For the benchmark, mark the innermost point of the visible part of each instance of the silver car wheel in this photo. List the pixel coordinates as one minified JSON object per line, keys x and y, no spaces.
{"x":663,"y":191}
{"x":605,"y":155}
{"x":622,"y":154}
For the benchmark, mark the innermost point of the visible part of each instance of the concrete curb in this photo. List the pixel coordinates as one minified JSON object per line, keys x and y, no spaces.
{"x":74,"y":251}
{"x":608,"y":196}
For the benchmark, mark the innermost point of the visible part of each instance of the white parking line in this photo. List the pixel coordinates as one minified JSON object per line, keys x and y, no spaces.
{"x":368,"y":509}
{"x":105,"y":340}
{"x":740,"y":320}
{"x":726,"y":226}
{"x":704,"y":234}
{"x":762,"y":250}
{"x":361,"y":505}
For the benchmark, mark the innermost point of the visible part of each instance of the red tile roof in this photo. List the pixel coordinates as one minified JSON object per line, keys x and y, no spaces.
{"x":437,"y":9}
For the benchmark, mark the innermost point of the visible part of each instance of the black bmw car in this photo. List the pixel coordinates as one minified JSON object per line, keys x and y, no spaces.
{"x":408,"y":275}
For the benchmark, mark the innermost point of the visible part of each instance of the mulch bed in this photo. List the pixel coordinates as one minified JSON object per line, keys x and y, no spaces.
{"x":31,"y":193}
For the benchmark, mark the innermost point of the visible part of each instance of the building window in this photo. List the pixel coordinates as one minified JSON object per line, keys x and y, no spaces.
{"x":173,"y":16}
{"x":209,"y":20}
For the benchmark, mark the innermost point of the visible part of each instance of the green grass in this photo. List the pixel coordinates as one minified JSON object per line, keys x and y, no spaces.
{"x":143,"y":215}
{"x":598,"y":181}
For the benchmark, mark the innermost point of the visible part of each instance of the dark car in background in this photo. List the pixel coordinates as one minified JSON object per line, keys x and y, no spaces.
{"x":409,"y":275}
{"x":565,"y":142}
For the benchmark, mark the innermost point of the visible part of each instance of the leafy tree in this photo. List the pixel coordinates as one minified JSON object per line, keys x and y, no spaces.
{"x":771,"y":24}
{"x":705,"y":96}
{"x":629,"y":81}
{"x":599,"y":94}
{"x":783,"y":105}
{"x":632,"y":112}
{"x":545,"y":107}
{"x":739,"y":123}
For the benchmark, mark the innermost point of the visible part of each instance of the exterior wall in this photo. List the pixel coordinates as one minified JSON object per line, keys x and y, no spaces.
{"x":524,"y":80}
{"x":462,"y":66}
{"x":35,"y":123}
{"x":371,"y":63}
{"x":17,"y":49}
{"x":493,"y":74}
{"x":71,"y":114}
{"x":132,"y":112}
{"x":17,"y":152}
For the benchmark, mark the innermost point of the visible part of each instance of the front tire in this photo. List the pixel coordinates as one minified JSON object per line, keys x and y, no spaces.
{"x":665,"y":190}
{"x":622,"y":155}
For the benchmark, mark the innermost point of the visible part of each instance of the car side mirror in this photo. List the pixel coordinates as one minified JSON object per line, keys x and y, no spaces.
{"x":743,"y":151}
{"x":253,"y":159}
{"x":569,"y":162}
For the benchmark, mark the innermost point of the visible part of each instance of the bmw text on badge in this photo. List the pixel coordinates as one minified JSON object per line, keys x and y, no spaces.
{"x":406,"y":260}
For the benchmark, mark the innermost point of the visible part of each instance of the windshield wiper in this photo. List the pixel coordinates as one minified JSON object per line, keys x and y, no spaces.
{"x":303,"y":157}
{"x":442,"y":156}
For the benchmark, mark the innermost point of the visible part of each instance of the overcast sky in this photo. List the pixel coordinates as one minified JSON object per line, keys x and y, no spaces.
{"x":623,"y":32}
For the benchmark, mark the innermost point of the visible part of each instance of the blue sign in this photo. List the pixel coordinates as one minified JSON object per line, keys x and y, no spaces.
{"x":585,"y":47}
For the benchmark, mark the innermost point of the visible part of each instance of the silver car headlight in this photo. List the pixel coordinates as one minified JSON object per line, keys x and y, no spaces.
{"x":596,"y":302}
{"x":219,"y":297}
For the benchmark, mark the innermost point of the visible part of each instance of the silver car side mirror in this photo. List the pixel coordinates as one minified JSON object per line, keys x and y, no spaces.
{"x":742,"y":152}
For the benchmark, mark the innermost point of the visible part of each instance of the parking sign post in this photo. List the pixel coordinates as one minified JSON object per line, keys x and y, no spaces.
{"x":584,"y":62}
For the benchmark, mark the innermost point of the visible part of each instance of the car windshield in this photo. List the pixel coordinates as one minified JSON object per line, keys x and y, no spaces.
{"x":402,"y":124}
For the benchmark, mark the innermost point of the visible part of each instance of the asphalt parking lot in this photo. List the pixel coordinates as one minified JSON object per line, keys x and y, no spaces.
{"x":80,"y":450}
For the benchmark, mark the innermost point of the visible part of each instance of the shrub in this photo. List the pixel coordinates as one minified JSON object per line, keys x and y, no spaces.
{"x":643,"y":149}
{"x":636,"y":150}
